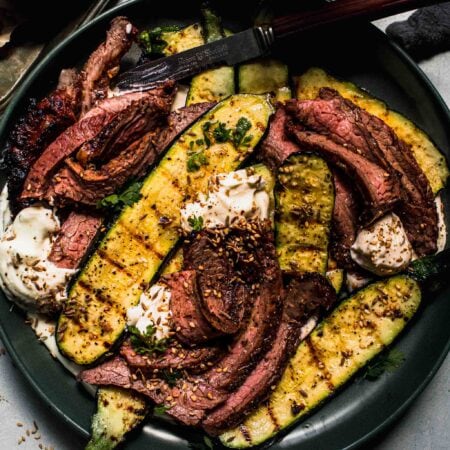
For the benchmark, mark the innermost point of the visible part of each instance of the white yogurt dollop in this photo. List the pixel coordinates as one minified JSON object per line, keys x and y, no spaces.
{"x":383,"y":248}
{"x":152,"y":309}
{"x":232,"y":196}
{"x":26,"y":275}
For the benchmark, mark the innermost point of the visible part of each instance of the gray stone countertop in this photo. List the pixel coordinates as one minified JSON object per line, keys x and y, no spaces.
{"x":425,"y":425}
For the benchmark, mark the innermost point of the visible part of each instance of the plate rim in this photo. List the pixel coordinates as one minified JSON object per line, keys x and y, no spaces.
{"x":5,"y":123}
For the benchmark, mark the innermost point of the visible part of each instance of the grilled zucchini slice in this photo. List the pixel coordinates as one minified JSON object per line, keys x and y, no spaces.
{"x":215,"y":84}
{"x":184,"y":39}
{"x":118,"y":412}
{"x":305,"y":201}
{"x":265,"y":75}
{"x":356,"y":331}
{"x":430,"y":160}
{"x":132,"y":251}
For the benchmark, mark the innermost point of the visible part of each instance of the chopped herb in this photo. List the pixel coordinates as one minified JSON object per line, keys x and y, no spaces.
{"x":387,"y":362}
{"x":146,"y":343}
{"x":195,"y":222}
{"x":196,"y":160}
{"x":221,"y":133}
{"x":171,"y":376}
{"x":151,"y":41}
{"x":199,"y":142}
{"x":206,"y":128}
{"x":160,"y":410}
{"x":239,"y":137}
{"x":207,"y":444}
{"x":117,"y":201}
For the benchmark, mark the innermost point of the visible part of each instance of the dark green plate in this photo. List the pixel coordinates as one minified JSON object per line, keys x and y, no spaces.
{"x":363,"y":408}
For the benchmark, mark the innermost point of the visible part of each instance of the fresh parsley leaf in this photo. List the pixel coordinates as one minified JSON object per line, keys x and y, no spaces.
{"x":130,"y":195}
{"x":171,"y":376}
{"x":207,"y":137}
{"x":207,"y":444}
{"x":160,"y":410}
{"x":195,"y":222}
{"x":151,"y":41}
{"x":196,"y":160}
{"x":146,"y":343}
{"x":221,"y":133}
{"x":239,"y":133}
{"x":386,"y":362}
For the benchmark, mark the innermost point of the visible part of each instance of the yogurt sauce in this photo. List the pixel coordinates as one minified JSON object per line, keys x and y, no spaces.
{"x":26,"y":275}
{"x":232,"y":196}
{"x":152,"y":309}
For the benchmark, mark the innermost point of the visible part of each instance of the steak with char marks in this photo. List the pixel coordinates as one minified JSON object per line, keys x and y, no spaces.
{"x":153,"y":105}
{"x":103,"y":64}
{"x":76,"y":184}
{"x":306,"y":297}
{"x":41,"y":124}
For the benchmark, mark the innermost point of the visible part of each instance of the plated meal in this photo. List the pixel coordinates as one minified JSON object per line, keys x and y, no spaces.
{"x":225,"y":253}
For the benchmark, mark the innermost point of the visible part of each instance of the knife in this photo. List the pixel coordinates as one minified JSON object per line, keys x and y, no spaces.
{"x":257,"y":41}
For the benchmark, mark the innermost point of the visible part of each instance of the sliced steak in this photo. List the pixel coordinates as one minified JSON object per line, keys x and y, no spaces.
{"x":187,"y":319}
{"x":103,"y":64}
{"x":86,"y":129}
{"x":76,"y":184}
{"x":379,"y":191}
{"x":77,"y":233}
{"x":114,"y":372}
{"x":42,"y":123}
{"x":195,"y":360}
{"x":307,"y":297}
{"x":277,"y":146}
{"x":345,"y":221}
{"x":345,"y":123}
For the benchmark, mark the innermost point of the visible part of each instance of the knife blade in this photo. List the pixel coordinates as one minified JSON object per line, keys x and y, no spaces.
{"x":229,"y":51}
{"x":256,"y":42}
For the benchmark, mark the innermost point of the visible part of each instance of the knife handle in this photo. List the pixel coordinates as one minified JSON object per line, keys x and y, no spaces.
{"x":329,"y":12}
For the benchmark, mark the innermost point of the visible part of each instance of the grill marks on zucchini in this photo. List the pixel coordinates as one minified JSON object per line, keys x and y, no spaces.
{"x":131,"y":253}
{"x":429,"y":158}
{"x":305,"y":200}
{"x":356,"y":331}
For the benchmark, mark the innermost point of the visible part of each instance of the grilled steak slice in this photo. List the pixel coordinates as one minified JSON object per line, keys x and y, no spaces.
{"x":114,"y":372}
{"x":306,"y":297}
{"x":224,"y":258}
{"x":87,"y":129}
{"x":247,"y":347}
{"x":103,"y":64}
{"x":379,"y":191}
{"x":187,"y":319}
{"x":345,"y":221}
{"x":42,"y":123}
{"x":74,"y":239}
{"x":195,"y":360}
{"x":75,"y":183}
{"x":346,"y":123}
{"x":277,"y":146}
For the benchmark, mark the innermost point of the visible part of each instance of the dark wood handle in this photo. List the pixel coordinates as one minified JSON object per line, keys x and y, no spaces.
{"x":329,"y":12}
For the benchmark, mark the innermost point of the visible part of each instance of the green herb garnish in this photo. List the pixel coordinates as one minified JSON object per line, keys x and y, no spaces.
{"x":151,"y":41}
{"x":146,"y":343}
{"x":239,"y":137}
{"x":196,"y":160}
{"x":129,"y":196}
{"x":195,"y":222}
{"x":221,"y":133}
{"x":386,"y":362}
{"x":171,"y":376}
{"x":207,"y":136}
{"x":160,"y":410}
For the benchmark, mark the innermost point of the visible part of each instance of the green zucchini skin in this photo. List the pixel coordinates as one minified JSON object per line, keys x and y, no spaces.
{"x":132,"y":251}
{"x":265,"y":75}
{"x":305,"y":200}
{"x":118,"y":412}
{"x":356,"y":331}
